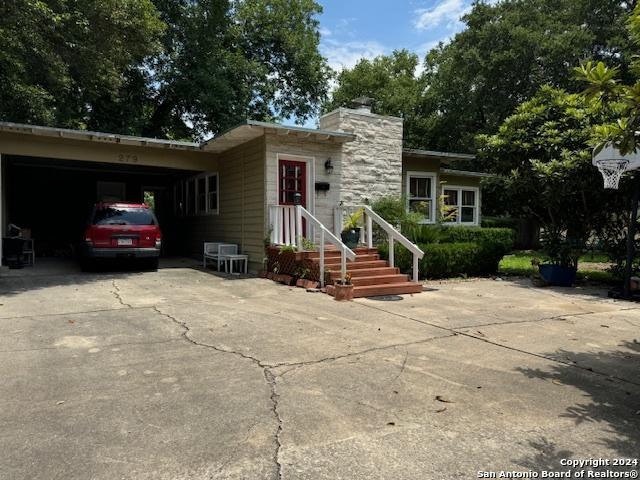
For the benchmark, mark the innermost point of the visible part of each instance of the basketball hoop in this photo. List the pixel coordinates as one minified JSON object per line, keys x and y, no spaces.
{"x":612,"y":170}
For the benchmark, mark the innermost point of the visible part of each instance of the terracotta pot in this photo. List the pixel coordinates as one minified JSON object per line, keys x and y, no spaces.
{"x":343,"y":292}
{"x":311,"y":284}
{"x":286,"y":279}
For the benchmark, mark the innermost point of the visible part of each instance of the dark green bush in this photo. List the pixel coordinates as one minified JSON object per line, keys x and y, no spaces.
{"x":494,"y":244}
{"x":460,"y":251}
{"x":442,"y":260}
{"x":499,"y":222}
{"x":423,"y":233}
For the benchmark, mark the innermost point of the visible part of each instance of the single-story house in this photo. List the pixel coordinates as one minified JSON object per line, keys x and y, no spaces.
{"x":221,"y":189}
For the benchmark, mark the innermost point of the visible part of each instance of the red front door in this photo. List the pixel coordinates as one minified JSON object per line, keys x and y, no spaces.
{"x":292,"y":180}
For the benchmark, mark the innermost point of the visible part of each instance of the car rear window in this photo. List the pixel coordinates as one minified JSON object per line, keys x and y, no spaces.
{"x":123,"y":216}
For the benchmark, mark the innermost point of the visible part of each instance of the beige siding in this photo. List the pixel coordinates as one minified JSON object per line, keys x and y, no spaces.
{"x":321,"y":204}
{"x":241,"y":217}
{"x":459,"y":180}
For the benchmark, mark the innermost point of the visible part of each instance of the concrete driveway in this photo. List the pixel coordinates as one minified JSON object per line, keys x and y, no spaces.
{"x":181,"y":374}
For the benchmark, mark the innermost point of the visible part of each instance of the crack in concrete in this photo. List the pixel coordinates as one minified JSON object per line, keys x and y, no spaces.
{"x":562,"y":317}
{"x":514,"y":349}
{"x":116,"y":293}
{"x":297,"y":365}
{"x":64,"y":314}
{"x":269,"y":377}
{"x":275,"y":398}
{"x":402,"y":367}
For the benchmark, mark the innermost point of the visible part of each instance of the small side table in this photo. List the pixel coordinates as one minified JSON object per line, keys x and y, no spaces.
{"x":232,"y":259}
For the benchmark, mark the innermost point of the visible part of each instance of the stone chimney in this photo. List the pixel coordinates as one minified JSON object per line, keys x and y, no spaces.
{"x":362,"y":104}
{"x":371,"y":165}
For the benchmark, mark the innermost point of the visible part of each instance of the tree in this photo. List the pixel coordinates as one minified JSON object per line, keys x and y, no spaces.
{"x":506,"y":53}
{"x":390,"y":80}
{"x":163,"y":68}
{"x":605,"y":84}
{"x":224,"y":62}
{"x":543,"y":151}
{"x":58,"y":58}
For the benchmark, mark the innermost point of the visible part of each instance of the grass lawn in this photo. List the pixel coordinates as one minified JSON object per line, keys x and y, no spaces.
{"x":590,"y":266}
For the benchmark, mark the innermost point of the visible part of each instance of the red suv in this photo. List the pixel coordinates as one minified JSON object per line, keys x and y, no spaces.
{"x":122,"y":230}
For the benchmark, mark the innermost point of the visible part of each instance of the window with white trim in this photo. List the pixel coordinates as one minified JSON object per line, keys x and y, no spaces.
{"x":197,"y":195}
{"x":421,"y":194}
{"x":462,"y":203}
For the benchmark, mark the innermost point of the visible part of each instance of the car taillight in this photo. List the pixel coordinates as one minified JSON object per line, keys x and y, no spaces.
{"x":158,"y":241}
{"x":87,"y":236}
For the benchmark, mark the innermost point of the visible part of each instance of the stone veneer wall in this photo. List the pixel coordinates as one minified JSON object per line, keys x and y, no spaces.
{"x":372,"y":164}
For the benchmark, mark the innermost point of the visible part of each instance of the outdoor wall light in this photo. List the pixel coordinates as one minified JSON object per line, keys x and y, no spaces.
{"x":328,"y":166}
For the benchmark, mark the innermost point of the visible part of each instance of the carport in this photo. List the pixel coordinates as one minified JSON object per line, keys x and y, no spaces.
{"x":51,"y":177}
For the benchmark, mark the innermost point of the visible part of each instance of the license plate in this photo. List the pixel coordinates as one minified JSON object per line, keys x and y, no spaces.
{"x":123,"y":242}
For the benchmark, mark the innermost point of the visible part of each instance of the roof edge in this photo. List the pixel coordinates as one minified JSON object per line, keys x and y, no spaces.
{"x":89,"y":135}
{"x":466,"y":173}
{"x":436,"y":153}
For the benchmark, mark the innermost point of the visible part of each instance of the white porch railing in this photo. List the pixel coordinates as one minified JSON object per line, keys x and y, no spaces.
{"x":366,"y":235}
{"x":287,"y":229}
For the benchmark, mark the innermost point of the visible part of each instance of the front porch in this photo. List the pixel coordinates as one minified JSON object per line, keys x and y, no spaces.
{"x":301,"y":246}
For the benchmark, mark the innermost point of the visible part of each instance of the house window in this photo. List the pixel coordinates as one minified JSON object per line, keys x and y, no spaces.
{"x":197,"y":195}
{"x":461,"y":205}
{"x":421,"y":194}
{"x":212,"y":193}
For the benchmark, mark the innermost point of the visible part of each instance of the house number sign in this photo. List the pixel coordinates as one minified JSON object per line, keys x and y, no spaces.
{"x":127,"y":158}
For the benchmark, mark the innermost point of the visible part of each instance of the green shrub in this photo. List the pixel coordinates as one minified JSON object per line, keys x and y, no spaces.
{"x":442,"y":260}
{"x":458,"y":251}
{"x":500,"y":236}
{"x":499,"y":222}
{"x":423,"y":233}
{"x":494,"y":244}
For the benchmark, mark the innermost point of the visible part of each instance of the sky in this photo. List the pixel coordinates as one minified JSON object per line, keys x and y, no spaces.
{"x":355,"y":29}
{"x":352,"y":29}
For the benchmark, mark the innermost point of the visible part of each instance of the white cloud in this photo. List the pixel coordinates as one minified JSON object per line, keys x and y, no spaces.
{"x":341,"y":55}
{"x":447,"y":11}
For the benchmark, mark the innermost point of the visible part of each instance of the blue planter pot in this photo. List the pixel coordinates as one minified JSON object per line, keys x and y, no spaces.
{"x":558,"y":275}
{"x":351,"y":237}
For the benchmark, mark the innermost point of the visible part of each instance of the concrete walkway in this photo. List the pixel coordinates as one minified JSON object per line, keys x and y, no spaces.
{"x":181,"y":374}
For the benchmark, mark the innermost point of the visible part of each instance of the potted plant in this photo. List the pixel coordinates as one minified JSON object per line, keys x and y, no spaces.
{"x":344,"y":289}
{"x":561,"y":265}
{"x":351,"y":229}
